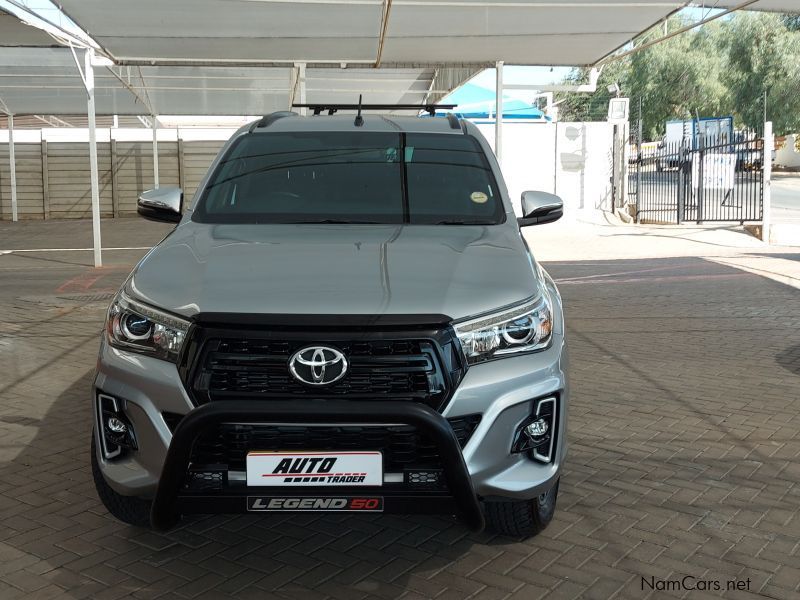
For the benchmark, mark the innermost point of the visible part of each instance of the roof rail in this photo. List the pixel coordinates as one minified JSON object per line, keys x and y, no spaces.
{"x":333,"y":108}
{"x":269,"y":119}
{"x":453,"y":120}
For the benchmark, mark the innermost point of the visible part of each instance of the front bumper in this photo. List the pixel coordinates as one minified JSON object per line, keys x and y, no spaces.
{"x":501,"y":391}
{"x":172,"y":500}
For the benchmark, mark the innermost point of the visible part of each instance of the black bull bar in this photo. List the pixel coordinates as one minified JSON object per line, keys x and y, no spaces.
{"x":171,"y":500}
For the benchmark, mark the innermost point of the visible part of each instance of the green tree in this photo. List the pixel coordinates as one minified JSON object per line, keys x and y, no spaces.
{"x":675,"y":79}
{"x":678,"y":79}
{"x":763,"y":56}
{"x":721,"y":68}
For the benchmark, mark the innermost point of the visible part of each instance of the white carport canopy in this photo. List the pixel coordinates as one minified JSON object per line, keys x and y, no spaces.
{"x":367,"y":32}
{"x":46,"y":81}
{"x":12,"y":33}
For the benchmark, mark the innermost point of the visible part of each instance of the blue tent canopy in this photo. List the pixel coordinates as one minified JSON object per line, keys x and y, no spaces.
{"x":475,"y":102}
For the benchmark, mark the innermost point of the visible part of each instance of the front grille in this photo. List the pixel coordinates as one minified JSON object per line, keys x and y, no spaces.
{"x":257,"y":366}
{"x":402,"y":446}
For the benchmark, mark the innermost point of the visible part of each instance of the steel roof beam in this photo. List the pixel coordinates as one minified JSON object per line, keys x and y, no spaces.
{"x":145,"y":100}
{"x":53,"y":121}
{"x":387,"y":9}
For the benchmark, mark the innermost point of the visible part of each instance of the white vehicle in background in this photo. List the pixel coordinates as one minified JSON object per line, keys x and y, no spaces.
{"x":695,"y":133}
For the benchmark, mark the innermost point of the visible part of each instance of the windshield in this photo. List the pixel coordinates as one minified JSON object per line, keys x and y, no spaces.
{"x":352,"y":177}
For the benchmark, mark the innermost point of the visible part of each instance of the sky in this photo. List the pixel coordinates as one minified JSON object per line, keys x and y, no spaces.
{"x":522,"y":75}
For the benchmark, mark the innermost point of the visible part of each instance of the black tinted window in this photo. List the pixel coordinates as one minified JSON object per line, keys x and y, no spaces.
{"x":449,"y":180}
{"x":351,"y":177}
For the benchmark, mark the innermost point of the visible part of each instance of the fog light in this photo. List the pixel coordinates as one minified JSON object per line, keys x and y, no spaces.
{"x":537,"y":429}
{"x":535,"y":435}
{"x":114,"y":428}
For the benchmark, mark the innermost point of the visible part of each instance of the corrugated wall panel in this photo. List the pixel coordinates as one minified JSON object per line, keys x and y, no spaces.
{"x":70,"y":182}
{"x":29,"y":181}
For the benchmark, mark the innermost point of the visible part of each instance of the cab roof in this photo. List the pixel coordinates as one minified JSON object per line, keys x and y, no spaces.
{"x":292,"y":122}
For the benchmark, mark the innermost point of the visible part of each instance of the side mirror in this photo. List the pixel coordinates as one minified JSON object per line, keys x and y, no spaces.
{"x":161,"y":204}
{"x":539,"y":208}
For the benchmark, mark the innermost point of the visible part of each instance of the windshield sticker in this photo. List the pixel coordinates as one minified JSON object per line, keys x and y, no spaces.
{"x":478,"y":197}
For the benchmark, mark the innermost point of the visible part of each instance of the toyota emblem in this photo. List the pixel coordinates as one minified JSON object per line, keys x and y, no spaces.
{"x":318,"y":365}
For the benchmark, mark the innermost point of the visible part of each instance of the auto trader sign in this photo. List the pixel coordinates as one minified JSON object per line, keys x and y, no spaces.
{"x":719,"y":171}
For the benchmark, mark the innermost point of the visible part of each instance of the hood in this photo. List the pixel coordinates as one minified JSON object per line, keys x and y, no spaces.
{"x":454,"y":270}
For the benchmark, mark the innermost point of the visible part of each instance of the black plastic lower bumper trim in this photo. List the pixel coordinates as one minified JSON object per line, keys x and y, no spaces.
{"x":432,"y":503}
{"x":171,"y":500}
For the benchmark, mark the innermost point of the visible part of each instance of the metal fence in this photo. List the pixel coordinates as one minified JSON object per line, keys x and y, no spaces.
{"x":702,"y":178}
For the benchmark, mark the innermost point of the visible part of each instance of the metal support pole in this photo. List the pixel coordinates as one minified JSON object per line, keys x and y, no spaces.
{"x":13,"y":165}
{"x":625,"y":164}
{"x":292,"y":87}
{"x":639,"y":161}
{"x":155,"y":152}
{"x":301,"y":84}
{"x":766,"y":198}
{"x":555,"y":158}
{"x":614,"y":145}
{"x":498,"y":112}
{"x":685,"y":175}
{"x":89,"y":80}
{"x":701,"y":191}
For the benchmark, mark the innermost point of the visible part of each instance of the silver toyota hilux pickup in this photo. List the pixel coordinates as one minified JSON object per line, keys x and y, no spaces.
{"x":345,"y":318}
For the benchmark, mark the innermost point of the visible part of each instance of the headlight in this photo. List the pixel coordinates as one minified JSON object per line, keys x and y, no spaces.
{"x":524,"y":328}
{"x":134,"y":326}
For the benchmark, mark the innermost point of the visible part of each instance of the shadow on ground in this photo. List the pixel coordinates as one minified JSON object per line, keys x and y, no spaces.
{"x":789,"y":359}
{"x":292,"y":555}
{"x":683,"y":461}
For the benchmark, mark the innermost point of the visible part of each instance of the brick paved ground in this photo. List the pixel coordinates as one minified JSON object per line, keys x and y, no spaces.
{"x":685,"y":456}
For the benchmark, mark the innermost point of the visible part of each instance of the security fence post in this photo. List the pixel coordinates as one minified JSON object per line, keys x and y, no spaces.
{"x":684,"y":182}
{"x":700,"y":188}
{"x":766,"y":185}
{"x":639,"y":161}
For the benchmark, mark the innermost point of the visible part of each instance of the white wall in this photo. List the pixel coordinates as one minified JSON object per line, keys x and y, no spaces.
{"x":572,"y":160}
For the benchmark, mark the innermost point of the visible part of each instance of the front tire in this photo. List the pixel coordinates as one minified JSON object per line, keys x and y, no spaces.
{"x":522,"y":518}
{"x":128,"y":509}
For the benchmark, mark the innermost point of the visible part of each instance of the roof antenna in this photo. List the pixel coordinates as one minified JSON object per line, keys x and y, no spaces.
{"x":359,"y":119}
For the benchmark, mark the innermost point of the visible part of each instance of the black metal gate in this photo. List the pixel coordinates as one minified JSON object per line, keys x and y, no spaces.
{"x":700,"y":178}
